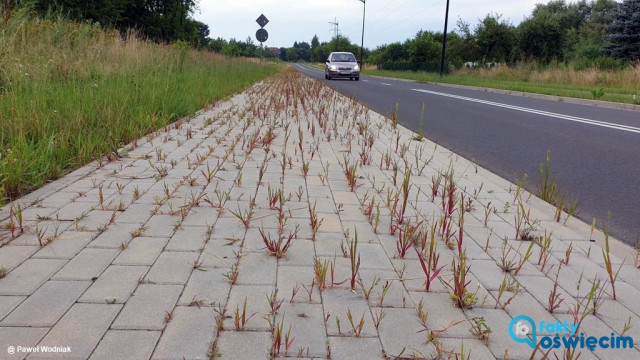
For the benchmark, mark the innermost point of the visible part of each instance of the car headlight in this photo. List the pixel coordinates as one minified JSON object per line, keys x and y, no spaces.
{"x":333,"y":67}
{"x":356,"y":68}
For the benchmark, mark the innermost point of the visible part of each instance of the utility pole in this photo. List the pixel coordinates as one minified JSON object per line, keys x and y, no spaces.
{"x":444,"y":40}
{"x":335,"y":32}
{"x":364,"y":9}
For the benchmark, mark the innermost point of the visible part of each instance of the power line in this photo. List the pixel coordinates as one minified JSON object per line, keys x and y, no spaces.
{"x":406,"y":19}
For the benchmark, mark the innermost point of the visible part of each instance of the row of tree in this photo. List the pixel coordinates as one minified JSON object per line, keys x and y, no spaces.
{"x":159,"y":20}
{"x":582,"y":32}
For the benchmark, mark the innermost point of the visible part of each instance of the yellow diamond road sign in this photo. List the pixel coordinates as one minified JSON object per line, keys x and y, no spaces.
{"x":262,"y":20}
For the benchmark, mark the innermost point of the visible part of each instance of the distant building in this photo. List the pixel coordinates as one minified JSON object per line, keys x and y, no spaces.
{"x":275,"y":51}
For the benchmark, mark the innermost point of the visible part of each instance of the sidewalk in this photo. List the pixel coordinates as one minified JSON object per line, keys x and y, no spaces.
{"x":161,"y":254}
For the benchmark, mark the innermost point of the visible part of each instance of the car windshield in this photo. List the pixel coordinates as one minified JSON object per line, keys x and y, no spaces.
{"x":343,"y":58}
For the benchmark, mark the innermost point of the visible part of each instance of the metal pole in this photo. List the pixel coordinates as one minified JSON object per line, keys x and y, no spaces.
{"x":364,"y":10}
{"x":444,"y":40}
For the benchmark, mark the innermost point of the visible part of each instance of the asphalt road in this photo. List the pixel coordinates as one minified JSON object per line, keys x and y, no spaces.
{"x":595,"y":152}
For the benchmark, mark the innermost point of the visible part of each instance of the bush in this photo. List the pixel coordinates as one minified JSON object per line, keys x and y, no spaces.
{"x":608,"y":63}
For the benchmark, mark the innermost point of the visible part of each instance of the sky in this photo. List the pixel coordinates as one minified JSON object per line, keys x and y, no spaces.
{"x":386,"y":21}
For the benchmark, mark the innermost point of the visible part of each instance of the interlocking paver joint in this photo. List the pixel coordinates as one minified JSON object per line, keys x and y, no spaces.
{"x":293,"y":221}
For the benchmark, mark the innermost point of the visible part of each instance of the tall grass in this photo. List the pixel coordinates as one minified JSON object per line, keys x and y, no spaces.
{"x":71,"y":92}
{"x":622,"y":85}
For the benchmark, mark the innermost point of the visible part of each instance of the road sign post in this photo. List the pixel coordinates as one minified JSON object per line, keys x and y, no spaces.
{"x":262,"y":35}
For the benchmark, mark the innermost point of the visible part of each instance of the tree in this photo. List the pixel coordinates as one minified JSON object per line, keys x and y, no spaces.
{"x":160,"y":20}
{"x":540,"y":37}
{"x":624,"y":32}
{"x":315,"y":42}
{"x":423,"y":48}
{"x":218,"y":45}
{"x":463,"y":47}
{"x":292,"y":54}
{"x":494,"y":38}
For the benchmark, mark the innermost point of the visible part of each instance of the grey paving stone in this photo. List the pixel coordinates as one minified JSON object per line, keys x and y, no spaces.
{"x":8,"y":303}
{"x":74,"y":210}
{"x":220,"y":254}
{"x":208,"y":286}
{"x":188,"y":335}
{"x":540,"y":287}
{"x":307,"y":326}
{"x":97,"y":219}
{"x":19,"y":336}
{"x":337,"y":302}
{"x":256,"y":297}
{"x":347,"y":348}
{"x":373,"y":256}
{"x":297,"y":277}
{"x":188,"y":238}
{"x":395,"y":293}
{"x":253,"y":241}
{"x":136,"y":214}
{"x":116,"y":235}
{"x":88,"y":264}
{"x":66,"y":246}
{"x":441,"y":313}
{"x":257,"y":269}
{"x":48,"y":230}
{"x":500,"y":343}
{"x":141,"y":251}
{"x":328,"y":244}
{"x":147,"y":308}
{"x":45,"y":306}
{"x":399,"y":333}
{"x":115,"y":285}
{"x":160,"y":225}
{"x":27,"y":277}
{"x":232,"y":345}
{"x":616,"y":315}
{"x":227,"y":227}
{"x":300,"y":253}
{"x":466,"y":348}
{"x":81,"y":328}
{"x":201,"y":216}
{"x":488,"y":273}
{"x":126,"y":344}
{"x":172,"y":267}
{"x":12,"y":256}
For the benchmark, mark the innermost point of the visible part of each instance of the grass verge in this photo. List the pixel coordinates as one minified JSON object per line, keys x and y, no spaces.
{"x":71,"y":92}
{"x":618,"y":86}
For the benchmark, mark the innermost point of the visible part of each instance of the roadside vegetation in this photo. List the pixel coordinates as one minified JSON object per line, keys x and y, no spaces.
{"x":71,"y":92}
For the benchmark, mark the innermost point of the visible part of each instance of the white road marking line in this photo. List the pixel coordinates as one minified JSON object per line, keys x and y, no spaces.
{"x":609,"y":125}
{"x":365,"y":80}
{"x":385,"y":84}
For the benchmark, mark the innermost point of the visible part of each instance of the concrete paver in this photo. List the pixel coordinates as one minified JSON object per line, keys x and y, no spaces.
{"x":45,"y":306}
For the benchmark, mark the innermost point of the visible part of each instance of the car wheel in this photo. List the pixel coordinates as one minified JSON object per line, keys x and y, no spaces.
{"x":358,"y":78}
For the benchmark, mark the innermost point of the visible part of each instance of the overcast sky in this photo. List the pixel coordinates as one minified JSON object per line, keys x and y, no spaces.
{"x":387,"y":21}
